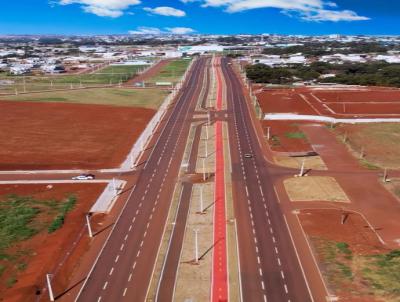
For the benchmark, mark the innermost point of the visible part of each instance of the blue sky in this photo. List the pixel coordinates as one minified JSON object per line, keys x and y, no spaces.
{"x":200,"y":16}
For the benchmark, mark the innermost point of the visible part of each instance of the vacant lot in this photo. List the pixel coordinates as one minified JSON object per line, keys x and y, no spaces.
{"x":356,"y":266}
{"x":171,"y":72}
{"x":38,"y":224}
{"x":107,"y":76}
{"x":380,"y":143}
{"x":67,"y":136}
{"x":315,"y":188}
{"x":148,"y":98}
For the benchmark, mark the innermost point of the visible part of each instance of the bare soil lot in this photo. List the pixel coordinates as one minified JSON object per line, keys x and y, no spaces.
{"x":286,"y":137}
{"x":33,"y":250}
{"x":356,"y":266}
{"x":380,"y":143}
{"x":67,"y":136}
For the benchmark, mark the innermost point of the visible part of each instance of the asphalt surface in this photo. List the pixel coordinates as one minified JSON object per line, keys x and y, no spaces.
{"x":269,"y":267}
{"x":167,"y":283}
{"x":124,"y":267}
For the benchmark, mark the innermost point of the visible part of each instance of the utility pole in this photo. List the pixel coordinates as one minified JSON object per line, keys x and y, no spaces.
{"x":88,"y":225}
{"x":362,"y":153}
{"x":301,"y":174}
{"x":48,"y":281}
{"x":196,"y":246}
{"x":204,"y":169}
{"x":385,"y":175}
{"x":201,"y":200}
{"x":268,"y":133}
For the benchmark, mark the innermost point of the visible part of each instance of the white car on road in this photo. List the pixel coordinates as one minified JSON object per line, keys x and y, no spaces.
{"x":84,"y":177}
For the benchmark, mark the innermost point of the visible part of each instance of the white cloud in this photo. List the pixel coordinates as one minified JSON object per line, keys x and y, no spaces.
{"x":310,"y":10}
{"x":103,"y":8}
{"x":334,"y":16}
{"x":166,"y":11}
{"x":180,"y":30}
{"x":143,"y":30}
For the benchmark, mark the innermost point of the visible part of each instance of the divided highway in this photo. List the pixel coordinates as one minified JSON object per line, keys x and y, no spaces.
{"x":124,"y":267}
{"x":269,"y":267}
{"x":270,"y":270}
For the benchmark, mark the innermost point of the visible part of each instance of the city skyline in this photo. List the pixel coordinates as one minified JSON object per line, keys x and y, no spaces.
{"x":308,"y":17}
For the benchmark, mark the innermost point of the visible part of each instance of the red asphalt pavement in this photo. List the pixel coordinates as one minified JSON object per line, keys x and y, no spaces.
{"x":219,"y":272}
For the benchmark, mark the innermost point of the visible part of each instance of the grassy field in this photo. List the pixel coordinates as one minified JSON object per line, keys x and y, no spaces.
{"x":147,"y":98}
{"x":22,"y":218}
{"x":106,"y":76}
{"x":376,"y":277}
{"x":380,"y":143}
{"x":172,"y":72}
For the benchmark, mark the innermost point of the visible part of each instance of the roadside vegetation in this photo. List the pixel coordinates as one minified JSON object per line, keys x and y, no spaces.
{"x":21,"y":218}
{"x":376,"y":73}
{"x":353,"y":275}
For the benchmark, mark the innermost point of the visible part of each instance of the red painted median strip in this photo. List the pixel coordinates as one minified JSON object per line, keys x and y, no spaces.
{"x":220,"y":273}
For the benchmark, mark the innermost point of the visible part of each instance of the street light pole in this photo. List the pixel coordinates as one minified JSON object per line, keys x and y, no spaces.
{"x":204,"y":170}
{"x":48,"y":281}
{"x":196,"y":246}
{"x":88,"y":225}
{"x":201,"y":200}
{"x":302,"y":169}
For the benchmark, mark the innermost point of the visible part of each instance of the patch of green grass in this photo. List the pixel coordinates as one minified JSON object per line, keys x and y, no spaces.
{"x":172,"y":72}
{"x":383,"y":272}
{"x":66,"y":207}
{"x":11,"y":281}
{"x":366,"y":164}
{"x":147,"y":98}
{"x":22,"y":217}
{"x":275,"y":140}
{"x":2,"y":269}
{"x":21,"y":266}
{"x":296,"y":135}
{"x":16,"y":214}
{"x":107,"y":76}
{"x":343,"y":247}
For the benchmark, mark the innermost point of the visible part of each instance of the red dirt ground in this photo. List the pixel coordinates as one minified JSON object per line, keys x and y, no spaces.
{"x":279,"y":129}
{"x":50,"y":250}
{"x":369,"y":95}
{"x":365,"y":108}
{"x":283,"y":101}
{"x":379,"y":102}
{"x":67,"y":136}
{"x":321,"y":225}
{"x":355,"y":231}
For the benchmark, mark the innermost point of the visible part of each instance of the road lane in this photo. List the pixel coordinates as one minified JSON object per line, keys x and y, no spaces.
{"x":124,"y":267}
{"x":269,"y":267}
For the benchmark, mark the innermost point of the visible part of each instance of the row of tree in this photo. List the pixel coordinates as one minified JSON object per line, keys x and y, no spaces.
{"x":325,"y":48}
{"x":377,"y":73}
